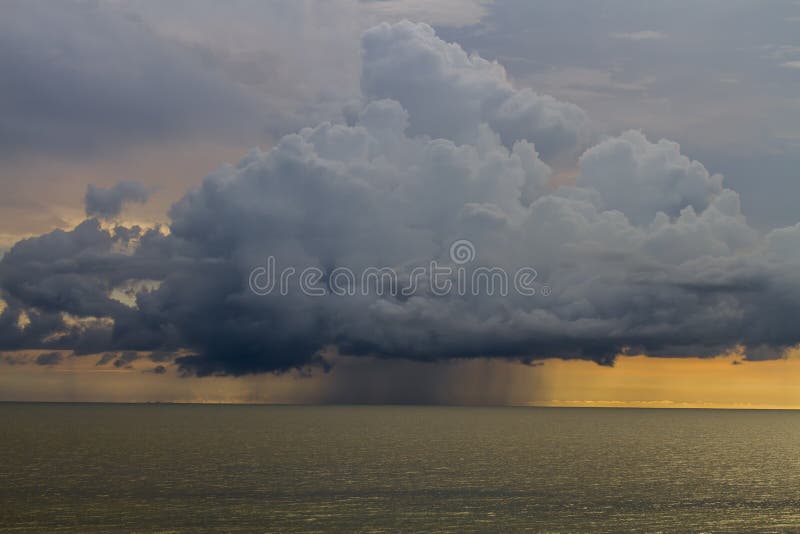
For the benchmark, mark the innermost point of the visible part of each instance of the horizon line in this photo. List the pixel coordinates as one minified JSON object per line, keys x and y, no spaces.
{"x":610,"y":405}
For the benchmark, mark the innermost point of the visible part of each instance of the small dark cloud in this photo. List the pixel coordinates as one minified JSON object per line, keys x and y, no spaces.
{"x":106,"y":358}
{"x":125,"y":359}
{"x":764,"y":351}
{"x":49,"y":358}
{"x":121,"y":360}
{"x":108,"y":202}
{"x":157,"y":370}
{"x":125,"y":234}
{"x":9,"y":359}
{"x":160,"y":356}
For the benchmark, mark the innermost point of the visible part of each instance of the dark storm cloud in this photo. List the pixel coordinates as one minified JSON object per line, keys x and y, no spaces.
{"x":647,"y":253}
{"x":61,"y":276}
{"x":108,"y":201}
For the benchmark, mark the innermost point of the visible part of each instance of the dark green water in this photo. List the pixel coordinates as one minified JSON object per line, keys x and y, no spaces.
{"x":194,"y":468}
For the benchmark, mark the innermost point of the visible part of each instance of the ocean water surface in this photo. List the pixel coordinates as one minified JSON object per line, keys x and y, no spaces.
{"x":223,"y":468}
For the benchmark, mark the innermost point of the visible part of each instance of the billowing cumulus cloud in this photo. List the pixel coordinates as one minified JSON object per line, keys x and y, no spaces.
{"x":640,"y":178}
{"x":105,"y":202}
{"x":449,"y":93}
{"x":646,"y":252}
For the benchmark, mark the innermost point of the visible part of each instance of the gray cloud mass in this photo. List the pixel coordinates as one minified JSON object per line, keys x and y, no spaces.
{"x":646,"y":252}
{"x":450,"y":94}
{"x":105,"y":202}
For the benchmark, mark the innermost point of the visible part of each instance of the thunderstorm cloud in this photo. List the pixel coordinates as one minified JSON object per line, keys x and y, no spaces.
{"x":644,"y":251}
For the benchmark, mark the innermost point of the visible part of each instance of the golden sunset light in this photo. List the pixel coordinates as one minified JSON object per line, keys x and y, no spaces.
{"x":399,"y":266}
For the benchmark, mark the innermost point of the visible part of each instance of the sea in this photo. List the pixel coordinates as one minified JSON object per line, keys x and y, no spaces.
{"x":252,"y":468}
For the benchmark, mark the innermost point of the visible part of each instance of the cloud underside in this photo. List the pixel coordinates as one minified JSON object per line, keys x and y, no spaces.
{"x":645,"y":252}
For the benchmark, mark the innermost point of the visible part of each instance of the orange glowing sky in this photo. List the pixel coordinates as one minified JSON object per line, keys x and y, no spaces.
{"x":635,"y":381}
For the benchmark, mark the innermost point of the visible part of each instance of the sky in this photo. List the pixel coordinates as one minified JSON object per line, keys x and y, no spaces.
{"x":638,"y":162}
